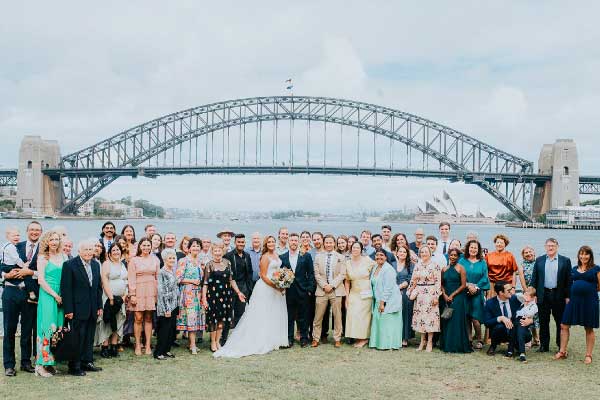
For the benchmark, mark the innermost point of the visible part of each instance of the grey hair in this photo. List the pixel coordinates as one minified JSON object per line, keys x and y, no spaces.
{"x":89,"y":242}
{"x":168,"y":252}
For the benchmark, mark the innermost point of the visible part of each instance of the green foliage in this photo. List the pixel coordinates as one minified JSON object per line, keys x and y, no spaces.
{"x":150,"y":210}
{"x":507,"y":216}
{"x":398,"y":215}
{"x":294,"y":214}
{"x":595,"y":202}
{"x":7,"y":205}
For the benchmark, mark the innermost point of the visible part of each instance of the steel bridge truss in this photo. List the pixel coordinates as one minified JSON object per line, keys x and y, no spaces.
{"x":8,"y":177}
{"x":437,"y":147}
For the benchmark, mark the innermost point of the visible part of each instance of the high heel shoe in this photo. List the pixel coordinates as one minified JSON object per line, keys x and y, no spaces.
{"x":41,"y":371}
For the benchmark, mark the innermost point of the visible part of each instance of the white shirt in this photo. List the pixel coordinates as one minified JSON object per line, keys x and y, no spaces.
{"x":509,"y":316}
{"x":9,"y":254}
{"x":294,"y":260}
{"x":440,"y":247}
{"x":439,"y":259}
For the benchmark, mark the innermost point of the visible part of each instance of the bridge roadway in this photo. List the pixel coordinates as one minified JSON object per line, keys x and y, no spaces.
{"x":590,"y":183}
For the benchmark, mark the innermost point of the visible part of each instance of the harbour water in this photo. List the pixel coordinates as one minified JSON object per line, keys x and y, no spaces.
{"x":570,"y":240}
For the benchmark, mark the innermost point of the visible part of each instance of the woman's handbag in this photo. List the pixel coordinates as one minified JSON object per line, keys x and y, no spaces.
{"x":447,"y":313}
{"x":64,"y":343}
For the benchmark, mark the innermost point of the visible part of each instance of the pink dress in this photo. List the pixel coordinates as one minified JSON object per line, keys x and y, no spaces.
{"x":426,"y":288}
{"x":142,"y":274}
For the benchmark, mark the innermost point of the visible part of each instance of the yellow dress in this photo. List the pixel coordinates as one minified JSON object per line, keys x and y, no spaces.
{"x":360,"y":299}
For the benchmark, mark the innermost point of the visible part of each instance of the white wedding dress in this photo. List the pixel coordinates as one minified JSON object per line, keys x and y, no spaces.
{"x":263,"y":327}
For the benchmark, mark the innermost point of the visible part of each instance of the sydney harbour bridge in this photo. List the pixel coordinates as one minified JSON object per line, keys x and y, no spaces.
{"x":296,"y":135}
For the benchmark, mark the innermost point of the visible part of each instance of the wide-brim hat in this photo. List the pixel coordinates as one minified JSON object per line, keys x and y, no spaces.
{"x":224,"y":231}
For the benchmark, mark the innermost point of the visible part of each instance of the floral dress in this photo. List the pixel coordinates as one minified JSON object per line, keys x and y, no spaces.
{"x":425,"y":288}
{"x":218,"y":279}
{"x":191,"y":313}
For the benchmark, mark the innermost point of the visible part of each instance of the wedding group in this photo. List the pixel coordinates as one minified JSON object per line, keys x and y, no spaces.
{"x":374,"y":290}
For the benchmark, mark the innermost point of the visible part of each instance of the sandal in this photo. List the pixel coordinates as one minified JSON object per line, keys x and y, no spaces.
{"x":478,"y":345}
{"x":561,"y":355}
{"x":585,"y":360}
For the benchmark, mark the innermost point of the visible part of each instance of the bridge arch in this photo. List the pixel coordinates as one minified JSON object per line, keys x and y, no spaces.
{"x":462,"y":154}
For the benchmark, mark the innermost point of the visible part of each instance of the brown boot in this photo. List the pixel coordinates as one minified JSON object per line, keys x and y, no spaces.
{"x":315,"y":343}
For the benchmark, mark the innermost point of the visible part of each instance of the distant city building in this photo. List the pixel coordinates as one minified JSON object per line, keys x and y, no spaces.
{"x":444,"y":210}
{"x":126,"y":210}
{"x":583,"y":217}
{"x":86,"y":210}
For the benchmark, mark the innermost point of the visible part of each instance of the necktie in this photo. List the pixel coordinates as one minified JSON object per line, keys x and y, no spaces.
{"x":444,"y":250}
{"x":30,"y":252}
{"x":504,"y":309}
{"x":88,"y":270}
{"x":328,"y":266}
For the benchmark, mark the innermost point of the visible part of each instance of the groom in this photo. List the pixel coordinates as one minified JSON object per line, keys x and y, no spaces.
{"x":330,"y":272}
{"x":298,"y":295}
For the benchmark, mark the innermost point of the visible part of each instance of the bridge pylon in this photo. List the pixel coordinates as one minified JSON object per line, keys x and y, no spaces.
{"x":38,"y":193}
{"x":560,"y":160}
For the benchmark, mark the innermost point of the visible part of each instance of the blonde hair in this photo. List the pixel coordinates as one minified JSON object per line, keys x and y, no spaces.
{"x":45,"y":243}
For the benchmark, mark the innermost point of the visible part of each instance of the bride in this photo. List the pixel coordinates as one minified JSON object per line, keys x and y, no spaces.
{"x":263,"y":327}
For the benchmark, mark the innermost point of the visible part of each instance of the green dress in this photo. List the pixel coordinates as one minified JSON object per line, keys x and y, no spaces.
{"x":454,"y":337}
{"x":386,"y":328}
{"x":477,"y":274}
{"x":50,"y":317}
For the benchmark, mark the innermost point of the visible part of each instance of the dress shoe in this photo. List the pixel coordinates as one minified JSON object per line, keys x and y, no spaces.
{"x":315,"y":343}
{"x":508,"y":354}
{"x":491,"y":351}
{"x":105,"y":353}
{"x":290,"y":344}
{"x":90,"y":367}
{"x":338,"y":344}
{"x":169,"y":354}
{"x":28,"y":368}
{"x":10,"y":372}
{"x":303,"y":343}
{"x":76,"y":372}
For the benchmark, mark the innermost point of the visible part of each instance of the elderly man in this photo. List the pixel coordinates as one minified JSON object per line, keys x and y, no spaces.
{"x":82,"y":301}
{"x":419,"y":240}
{"x":68,"y":248}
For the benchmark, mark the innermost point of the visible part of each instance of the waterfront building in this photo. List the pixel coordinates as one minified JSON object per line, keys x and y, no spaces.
{"x":581,"y":217}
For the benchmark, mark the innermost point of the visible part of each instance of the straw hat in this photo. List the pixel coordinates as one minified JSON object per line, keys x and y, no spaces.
{"x":225,"y":231}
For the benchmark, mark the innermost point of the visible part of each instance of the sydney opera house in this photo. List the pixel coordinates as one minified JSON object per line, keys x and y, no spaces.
{"x":444,"y":209}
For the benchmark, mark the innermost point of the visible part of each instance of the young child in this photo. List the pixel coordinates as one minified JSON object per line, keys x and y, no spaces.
{"x":524,"y":321}
{"x":10,"y":260}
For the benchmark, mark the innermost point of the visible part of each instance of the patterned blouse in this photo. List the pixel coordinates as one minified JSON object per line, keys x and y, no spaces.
{"x":168,"y":292}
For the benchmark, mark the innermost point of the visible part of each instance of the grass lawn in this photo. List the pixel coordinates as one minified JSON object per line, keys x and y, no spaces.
{"x":323,"y":373}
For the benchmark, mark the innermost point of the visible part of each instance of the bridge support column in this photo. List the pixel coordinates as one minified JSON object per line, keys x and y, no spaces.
{"x":36,"y":192}
{"x":561,"y":161}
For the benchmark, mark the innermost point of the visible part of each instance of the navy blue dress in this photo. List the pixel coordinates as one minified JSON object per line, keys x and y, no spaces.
{"x":583,"y":308}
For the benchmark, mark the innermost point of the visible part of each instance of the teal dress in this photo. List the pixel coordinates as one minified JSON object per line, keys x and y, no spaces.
{"x":50,"y":316}
{"x":386,"y":327}
{"x":454,"y":337}
{"x":477,"y":274}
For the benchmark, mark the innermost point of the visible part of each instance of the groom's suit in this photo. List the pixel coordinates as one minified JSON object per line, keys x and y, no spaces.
{"x":330,"y":270}
{"x":297,"y":296}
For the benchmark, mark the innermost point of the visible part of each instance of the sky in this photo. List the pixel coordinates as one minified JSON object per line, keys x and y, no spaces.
{"x":512,"y":74}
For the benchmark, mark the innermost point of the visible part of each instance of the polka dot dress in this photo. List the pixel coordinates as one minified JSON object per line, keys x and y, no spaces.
{"x":218,"y":295}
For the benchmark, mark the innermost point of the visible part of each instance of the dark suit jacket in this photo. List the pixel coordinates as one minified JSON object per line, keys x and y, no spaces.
{"x":78,"y":296}
{"x":22,"y":251}
{"x":563,"y":281}
{"x":491,"y":310}
{"x":304,"y":281}
{"x":241,"y":271}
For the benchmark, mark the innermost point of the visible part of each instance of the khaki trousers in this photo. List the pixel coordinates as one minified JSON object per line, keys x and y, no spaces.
{"x":320,"y":307}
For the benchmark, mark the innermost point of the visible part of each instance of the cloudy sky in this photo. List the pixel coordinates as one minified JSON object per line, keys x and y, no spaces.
{"x":512,"y":74}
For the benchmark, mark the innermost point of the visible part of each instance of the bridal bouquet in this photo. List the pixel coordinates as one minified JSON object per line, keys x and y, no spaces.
{"x":283,"y":278}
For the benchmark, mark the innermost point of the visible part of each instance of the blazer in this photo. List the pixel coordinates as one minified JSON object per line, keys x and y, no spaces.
{"x":339,"y":273}
{"x":304,"y":280}
{"x":22,"y":251}
{"x":563,"y":280}
{"x":241,"y":271}
{"x":386,"y":289}
{"x":491,"y":311}
{"x":78,"y":296}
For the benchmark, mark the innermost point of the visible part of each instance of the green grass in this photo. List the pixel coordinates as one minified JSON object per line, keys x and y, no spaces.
{"x":323,"y":373}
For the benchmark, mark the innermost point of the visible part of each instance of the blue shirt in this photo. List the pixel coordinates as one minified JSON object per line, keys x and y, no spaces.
{"x":551,"y":272}
{"x":255,"y":259}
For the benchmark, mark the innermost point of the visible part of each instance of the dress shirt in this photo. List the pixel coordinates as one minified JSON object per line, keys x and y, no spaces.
{"x":35,"y":248}
{"x":255,"y":258}
{"x":281,"y":250}
{"x":551,"y":272}
{"x":502,"y":304}
{"x":9,"y":254}
{"x":294,"y":260}
{"x":439,"y":250}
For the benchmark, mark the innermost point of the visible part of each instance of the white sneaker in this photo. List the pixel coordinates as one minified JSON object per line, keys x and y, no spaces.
{"x":194,"y":350}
